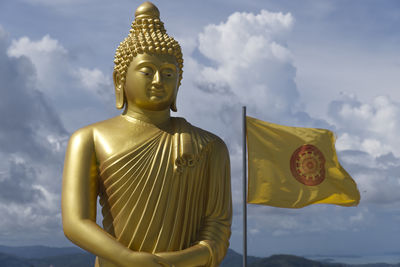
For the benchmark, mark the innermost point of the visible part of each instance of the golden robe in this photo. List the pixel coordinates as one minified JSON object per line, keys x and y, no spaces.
{"x":169,"y":193}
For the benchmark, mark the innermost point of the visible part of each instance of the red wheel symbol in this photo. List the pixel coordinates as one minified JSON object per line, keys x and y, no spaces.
{"x":307,"y":165}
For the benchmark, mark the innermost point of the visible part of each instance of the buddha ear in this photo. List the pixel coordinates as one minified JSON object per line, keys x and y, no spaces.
{"x":119,"y":90}
{"x":173,"y":104}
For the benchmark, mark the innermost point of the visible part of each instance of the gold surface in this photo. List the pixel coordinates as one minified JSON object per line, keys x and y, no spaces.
{"x":163,"y":184}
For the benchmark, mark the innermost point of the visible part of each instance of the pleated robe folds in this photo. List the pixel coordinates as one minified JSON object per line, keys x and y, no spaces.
{"x":169,"y":193}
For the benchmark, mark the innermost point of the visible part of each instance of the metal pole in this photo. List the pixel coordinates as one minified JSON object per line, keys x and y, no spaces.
{"x":244,"y":191}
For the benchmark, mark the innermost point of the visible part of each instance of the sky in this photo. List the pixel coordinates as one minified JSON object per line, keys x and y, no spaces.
{"x":325,"y":64}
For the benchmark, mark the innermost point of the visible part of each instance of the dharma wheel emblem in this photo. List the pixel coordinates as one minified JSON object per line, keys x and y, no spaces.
{"x":307,"y":165}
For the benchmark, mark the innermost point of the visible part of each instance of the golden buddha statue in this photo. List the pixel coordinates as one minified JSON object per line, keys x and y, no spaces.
{"x":163,"y":184}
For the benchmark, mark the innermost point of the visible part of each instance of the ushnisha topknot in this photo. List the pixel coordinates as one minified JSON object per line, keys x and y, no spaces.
{"x":147,"y":35}
{"x":147,"y":9}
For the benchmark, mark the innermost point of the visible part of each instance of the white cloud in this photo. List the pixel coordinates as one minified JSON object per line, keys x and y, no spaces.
{"x":96,"y":82}
{"x":24,"y":46}
{"x":49,"y":58}
{"x":93,"y":79}
{"x":253,"y":64}
{"x":57,"y":73}
{"x":378,"y":179}
{"x":246,"y":38}
{"x":369,"y":127}
{"x":63,"y":82}
{"x":368,"y":145}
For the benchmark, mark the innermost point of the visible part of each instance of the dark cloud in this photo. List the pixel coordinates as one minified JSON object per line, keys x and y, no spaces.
{"x":213,"y":88}
{"x":31,"y":149}
{"x":377,"y":177}
{"x":24,"y":111}
{"x":16,"y":186}
{"x":388,"y":158}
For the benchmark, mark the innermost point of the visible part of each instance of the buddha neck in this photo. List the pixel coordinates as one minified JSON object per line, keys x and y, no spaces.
{"x":157,"y":118}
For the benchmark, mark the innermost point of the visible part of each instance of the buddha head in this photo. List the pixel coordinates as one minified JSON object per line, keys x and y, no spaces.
{"x":148,"y":63}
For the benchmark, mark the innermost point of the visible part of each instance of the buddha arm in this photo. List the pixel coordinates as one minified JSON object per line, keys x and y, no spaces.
{"x":79,"y":202}
{"x":213,"y":239}
{"x":216,"y":228}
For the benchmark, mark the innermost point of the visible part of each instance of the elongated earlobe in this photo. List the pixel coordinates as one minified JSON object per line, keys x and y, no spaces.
{"x":173,"y":106}
{"x":119,"y":97}
{"x":119,"y":90}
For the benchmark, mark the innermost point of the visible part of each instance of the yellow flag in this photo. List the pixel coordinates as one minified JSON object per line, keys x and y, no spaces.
{"x":292,"y":167}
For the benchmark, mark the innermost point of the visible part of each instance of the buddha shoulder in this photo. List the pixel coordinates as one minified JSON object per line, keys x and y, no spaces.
{"x":203,"y":137}
{"x":115,"y":128}
{"x":110,"y":136}
{"x":87,"y":133}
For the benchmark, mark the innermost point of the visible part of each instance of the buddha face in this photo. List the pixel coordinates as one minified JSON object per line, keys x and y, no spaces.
{"x":152,"y":81}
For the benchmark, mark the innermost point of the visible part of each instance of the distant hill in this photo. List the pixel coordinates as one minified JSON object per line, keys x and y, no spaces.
{"x":70,"y":260}
{"x":38,"y":252}
{"x":41,"y":256}
{"x":234,"y":259}
{"x":291,"y":261}
{"x":7,"y":260}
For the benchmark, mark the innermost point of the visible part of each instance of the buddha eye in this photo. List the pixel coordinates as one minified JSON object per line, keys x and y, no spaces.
{"x":146,"y":71}
{"x":168,"y":73}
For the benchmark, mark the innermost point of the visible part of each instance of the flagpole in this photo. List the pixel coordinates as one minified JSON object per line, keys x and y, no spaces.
{"x":244,"y":191}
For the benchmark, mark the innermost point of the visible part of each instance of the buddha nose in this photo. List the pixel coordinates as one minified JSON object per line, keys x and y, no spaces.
{"x":156,"y":78}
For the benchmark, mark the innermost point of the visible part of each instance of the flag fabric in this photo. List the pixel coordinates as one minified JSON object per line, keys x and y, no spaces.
{"x":292,"y":167}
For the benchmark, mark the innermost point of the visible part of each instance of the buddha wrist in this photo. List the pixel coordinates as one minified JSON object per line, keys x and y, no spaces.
{"x":210,"y":261}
